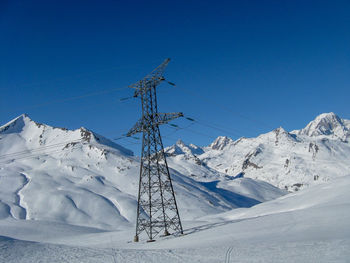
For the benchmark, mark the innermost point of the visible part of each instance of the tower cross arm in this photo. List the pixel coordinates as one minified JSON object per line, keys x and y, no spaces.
{"x":138,"y":127}
{"x":163,"y":118}
{"x":152,"y":79}
{"x":158,"y":119}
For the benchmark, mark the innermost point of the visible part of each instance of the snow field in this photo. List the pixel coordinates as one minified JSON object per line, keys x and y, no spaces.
{"x":70,"y":196}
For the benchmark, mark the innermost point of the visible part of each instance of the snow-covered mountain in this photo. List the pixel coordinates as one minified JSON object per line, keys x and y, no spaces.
{"x":79,"y":177}
{"x":290,"y":160}
{"x":327,"y":124}
{"x":70,"y":196}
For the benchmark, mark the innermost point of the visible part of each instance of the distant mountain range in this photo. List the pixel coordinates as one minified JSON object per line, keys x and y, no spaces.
{"x":288,"y":160}
{"x":82,"y":178}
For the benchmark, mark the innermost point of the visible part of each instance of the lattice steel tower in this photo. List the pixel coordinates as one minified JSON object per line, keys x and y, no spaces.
{"x":157,"y":209}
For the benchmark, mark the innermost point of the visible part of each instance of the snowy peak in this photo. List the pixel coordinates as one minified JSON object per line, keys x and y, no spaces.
{"x":220,"y":143}
{"x":282,"y":136}
{"x":181,"y":148}
{"x":17,"y":124}
{"x":276,"y":134}
{"x":326,"y":124}
{"x":24,"y":130}
{"x":281,"y":131}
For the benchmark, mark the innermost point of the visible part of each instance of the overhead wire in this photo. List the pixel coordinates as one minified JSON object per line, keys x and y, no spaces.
{"x":36,"y":155}
{"x":193,"y":131}
{"x":197,"y":95}
{"x":193,"y":121}
{"x":71,"y":98}
{"x":215,"y":127}
{"x":33,"y":84}
{"x":14,"y":154}
{"x":166,"y":136}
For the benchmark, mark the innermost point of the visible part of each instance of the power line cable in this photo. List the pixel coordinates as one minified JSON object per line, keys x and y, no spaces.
{"x":215,"y":127}
{"x":72,"y":98}
{"x":106,"y":91}
{"x":225,"y":108}
{"x":35,"y":155}
{"x":196,"y":132}
{"x":29,"y":151}
{"x":77,"y":97}
{"x":79,"y":75}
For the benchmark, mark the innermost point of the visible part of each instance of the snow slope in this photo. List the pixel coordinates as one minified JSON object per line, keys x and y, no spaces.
{"x":81,"y":178}
{"x":290,"y":160}
{"x":307,"y":226}
{"x":69,"y":196}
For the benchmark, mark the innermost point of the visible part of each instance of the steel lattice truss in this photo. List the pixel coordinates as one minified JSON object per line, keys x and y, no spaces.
{"x":157,"y":209}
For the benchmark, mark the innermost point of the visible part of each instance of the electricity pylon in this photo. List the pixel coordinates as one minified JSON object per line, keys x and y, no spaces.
{"x":157,"y":209}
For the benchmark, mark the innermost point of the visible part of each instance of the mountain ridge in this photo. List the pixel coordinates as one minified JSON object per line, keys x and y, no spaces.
{"x":78,"y":177}
{"x":290,"y":160}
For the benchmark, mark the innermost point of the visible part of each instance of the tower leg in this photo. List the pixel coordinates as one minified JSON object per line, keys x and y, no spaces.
{"x":136,"y":238}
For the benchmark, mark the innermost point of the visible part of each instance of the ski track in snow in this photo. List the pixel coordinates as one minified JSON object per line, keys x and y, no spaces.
{"x":29,"y":252}
{"x":20,"y":202}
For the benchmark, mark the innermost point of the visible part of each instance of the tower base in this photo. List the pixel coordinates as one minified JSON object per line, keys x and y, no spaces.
{"x":136,"y":238}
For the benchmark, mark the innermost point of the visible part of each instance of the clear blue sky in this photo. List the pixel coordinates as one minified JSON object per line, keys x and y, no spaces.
{"x":243,"y":66}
